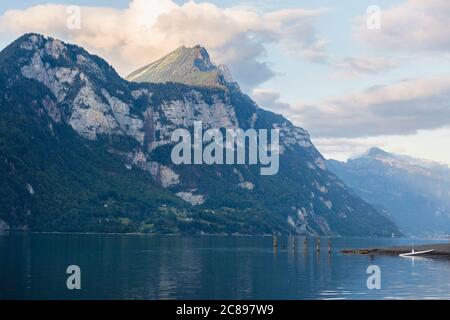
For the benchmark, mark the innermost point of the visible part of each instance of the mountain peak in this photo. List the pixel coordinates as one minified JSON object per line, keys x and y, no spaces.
{"x":188,"y":65}
{"x":35,"y":54}
{"x":30,"y":41}
{"x":32,"y":36}
{"x":35,"y":40}
{"x":377,"y":152}
{"x":401,"y":161}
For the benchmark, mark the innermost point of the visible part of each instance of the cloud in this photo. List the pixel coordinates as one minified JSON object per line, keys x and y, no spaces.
{"x":345,"y":148}
{"x":413,"y":26}
{"x":356,"y":66}
{"x":270,"y":99}
{"x":148,"y":29}
{"x":426,"y":144}
{"x":297,"y":36}
{"x":407,"y":117}
{"x":400,"y":108}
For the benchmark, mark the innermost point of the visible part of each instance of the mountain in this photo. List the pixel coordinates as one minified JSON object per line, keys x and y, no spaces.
{"x":414,"y":192}
{"x":82,"y":149}
{"x":190,"y":66}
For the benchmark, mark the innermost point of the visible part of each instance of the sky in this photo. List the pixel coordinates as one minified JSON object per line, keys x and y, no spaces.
{"x":354,"y":75}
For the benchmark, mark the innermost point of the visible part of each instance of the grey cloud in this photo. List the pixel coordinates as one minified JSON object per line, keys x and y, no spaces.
{"x":398,"y":109}
{"x":243,"y":56}
{"x":270,"y":99}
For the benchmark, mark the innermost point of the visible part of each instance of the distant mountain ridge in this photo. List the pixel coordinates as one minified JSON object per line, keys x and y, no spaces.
{"x":81,"y":149}
{"x":414,"y":192}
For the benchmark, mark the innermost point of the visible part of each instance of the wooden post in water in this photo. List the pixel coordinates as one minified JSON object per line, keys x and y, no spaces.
{"x":275,"y":241}
{"x":318,"y":245}
{"x":329,"y":246}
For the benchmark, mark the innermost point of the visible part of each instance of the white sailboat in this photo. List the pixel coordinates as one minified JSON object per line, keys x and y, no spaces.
{"x":415,"y":253}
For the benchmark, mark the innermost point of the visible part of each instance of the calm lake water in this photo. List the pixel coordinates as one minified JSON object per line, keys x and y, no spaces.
{"x":208,"y":267}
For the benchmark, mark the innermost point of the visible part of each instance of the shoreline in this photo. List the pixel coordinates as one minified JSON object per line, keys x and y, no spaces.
{"x":441,"y":250}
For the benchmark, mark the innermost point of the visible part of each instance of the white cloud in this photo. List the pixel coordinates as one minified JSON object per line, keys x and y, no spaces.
{"x":413,"y":26}
{"x":146,"y":30}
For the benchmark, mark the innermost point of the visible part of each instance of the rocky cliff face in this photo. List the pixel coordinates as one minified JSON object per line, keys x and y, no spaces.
{"x":414,"y":192}
{"x":133,"y":123}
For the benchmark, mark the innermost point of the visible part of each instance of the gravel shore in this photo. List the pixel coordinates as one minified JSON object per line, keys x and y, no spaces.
{"x":441,"y":250}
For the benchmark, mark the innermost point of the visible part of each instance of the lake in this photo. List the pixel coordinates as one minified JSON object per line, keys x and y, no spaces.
{"x":33,"y":266}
